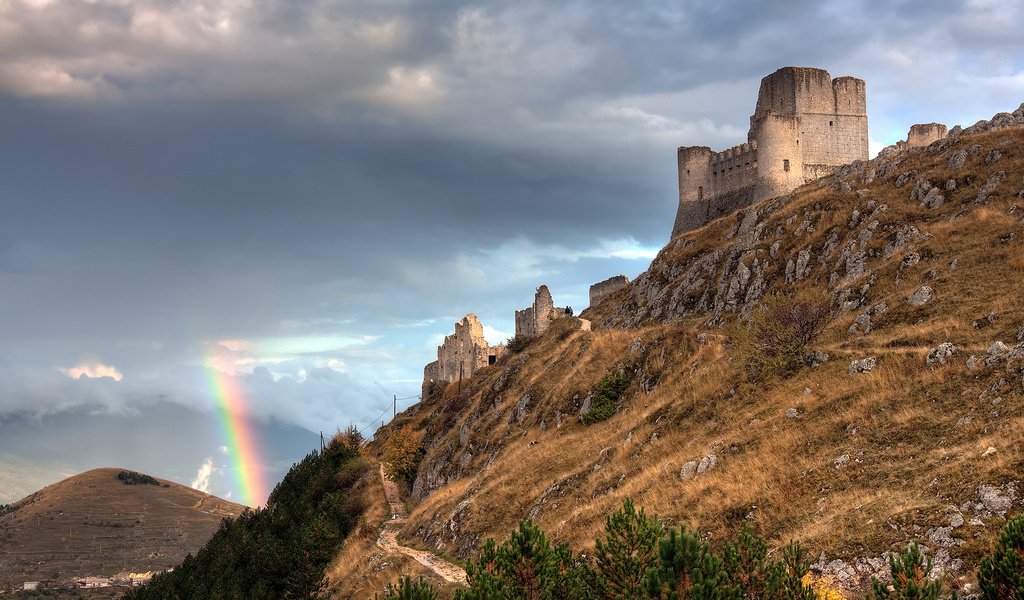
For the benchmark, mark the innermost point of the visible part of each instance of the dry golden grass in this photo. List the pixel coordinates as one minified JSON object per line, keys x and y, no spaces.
{"x":911,"y":453}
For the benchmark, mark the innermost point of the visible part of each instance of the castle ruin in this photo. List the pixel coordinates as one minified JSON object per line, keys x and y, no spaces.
{"x":535,"y":320}
{"x":602,"y":289}
{"x":805,"y":125}
{"x":462,"y":353}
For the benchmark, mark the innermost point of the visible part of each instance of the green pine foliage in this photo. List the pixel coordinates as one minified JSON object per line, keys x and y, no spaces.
{"x":908,"y":578}
{"x":635,"y":559}
{"x":526,"y":566}
{"x":280,"y":551}
{"x":605,"y":396}
{"x":517,"y":343}
{"x":687,"y":569}
{"x":1001,"y":576}
{"x":627,"y":552}
{"x":410,"y":589}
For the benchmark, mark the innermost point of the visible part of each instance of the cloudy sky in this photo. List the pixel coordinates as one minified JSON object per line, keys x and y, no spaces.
{"x":297,"y":199}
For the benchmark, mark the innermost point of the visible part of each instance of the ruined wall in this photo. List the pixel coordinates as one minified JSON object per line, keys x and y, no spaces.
{"x":535,"y":320}
{"x":602,"y":289}
{"x":462,"y":353}
{"x":804,"y":125}
{"x":923,"y":134}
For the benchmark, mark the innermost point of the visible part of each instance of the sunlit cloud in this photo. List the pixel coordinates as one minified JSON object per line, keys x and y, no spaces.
{"x":202,"y":478}
{"x":93,"y":370}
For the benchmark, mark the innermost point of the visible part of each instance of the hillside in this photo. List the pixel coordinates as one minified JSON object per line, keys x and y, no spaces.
{"x":94,"y":524}
{"x":913,"y":249}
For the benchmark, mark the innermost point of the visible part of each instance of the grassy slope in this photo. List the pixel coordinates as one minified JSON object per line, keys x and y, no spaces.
{"x":914,"y":460}
{"x":94,"y":524}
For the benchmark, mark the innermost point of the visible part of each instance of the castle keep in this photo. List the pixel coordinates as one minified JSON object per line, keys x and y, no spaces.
{"x":804,"y":125}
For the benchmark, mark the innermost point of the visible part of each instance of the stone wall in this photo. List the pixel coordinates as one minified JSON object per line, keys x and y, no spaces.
{"x":923,"y":134}
{"x":462,"y":353}
{"x":535,"y":320}
{"x":804,"y":125}
{"x":602,"y":289}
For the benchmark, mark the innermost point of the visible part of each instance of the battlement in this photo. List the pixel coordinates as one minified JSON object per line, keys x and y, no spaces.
{"x":804,"y":125}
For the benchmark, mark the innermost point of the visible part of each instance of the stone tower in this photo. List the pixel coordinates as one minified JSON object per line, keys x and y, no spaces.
{"x":805,"y":124}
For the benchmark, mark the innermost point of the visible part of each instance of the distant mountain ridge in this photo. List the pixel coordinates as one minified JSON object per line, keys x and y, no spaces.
{"x":103,"y":522}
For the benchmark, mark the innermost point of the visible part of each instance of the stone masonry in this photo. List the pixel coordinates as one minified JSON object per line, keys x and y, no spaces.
{"x":804,"y":126}
{"x":924,"y":134}
{"x":463,"y":353}
{"x":534,"y":320}
{"x":600,"y":290}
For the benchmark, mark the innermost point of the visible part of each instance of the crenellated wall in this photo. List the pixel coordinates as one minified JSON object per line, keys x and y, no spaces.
{"x":804,"y":125}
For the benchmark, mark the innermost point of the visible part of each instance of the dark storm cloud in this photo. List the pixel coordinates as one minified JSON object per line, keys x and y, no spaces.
{"x":311,"y":193}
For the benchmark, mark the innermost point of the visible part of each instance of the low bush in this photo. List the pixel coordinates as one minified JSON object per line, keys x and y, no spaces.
{"x":780,"y":331}
{"x":605,"y":396}
{"x":133,"y":478}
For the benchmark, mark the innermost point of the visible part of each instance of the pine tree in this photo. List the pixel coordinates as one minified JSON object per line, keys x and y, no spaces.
{"x":908,"y":578}
{"x":687,"y":570}
{"x":410,"y":589}
{"x":525,"y":567}
{"x":627,"y":552}
{"x":1001,"y":576}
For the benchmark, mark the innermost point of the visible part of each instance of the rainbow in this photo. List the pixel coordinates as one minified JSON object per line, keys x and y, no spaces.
{"x":238,"y":436}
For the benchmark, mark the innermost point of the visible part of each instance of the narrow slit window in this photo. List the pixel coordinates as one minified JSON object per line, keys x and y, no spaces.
{"x":700,"y":192}
{"x":785,"y":165}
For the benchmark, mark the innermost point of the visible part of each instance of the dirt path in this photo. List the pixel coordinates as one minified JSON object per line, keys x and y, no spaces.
{"x":388,"y":539}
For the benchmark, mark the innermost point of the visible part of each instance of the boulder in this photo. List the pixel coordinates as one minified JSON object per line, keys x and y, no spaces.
{"x":864,"y":365}
{"x":921,"y":296}
{"x":941,"y":354}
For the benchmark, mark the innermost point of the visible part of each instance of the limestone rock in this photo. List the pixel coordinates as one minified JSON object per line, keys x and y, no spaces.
{"x":957,"y":160}
{"x":861,"y":325}
{"x":864,"y":365}
{"x":933,"y":199}
{"x":990,"y":187}
{"x":523,"y":408}
{"x":921,"y":296}
{"x":904,"y":178}
{"x":707,"y":463}
{"x":689,"y":471}
{"x":792,"y":413}
{"x":816,"y":359}
{"x":941,"y":354}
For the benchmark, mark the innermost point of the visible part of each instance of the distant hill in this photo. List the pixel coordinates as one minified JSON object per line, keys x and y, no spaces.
{"x":98,"y":524}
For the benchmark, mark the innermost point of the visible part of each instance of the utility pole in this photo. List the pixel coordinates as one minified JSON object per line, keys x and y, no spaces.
{"x":394,"y":406}
{"x":460,"y":377}
{"x":321,"y":442}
